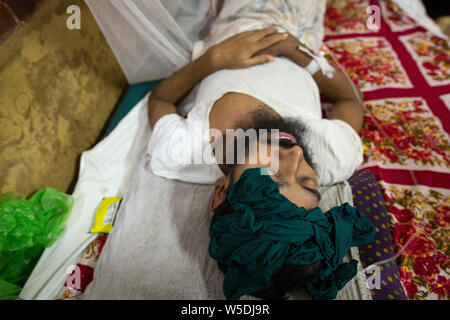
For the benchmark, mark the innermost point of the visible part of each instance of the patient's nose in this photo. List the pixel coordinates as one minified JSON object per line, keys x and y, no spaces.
{"x":290,"y":159}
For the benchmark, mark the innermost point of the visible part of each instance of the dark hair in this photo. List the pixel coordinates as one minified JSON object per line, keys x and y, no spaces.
{"x":258,"y":119}
{"x":289,"y":278}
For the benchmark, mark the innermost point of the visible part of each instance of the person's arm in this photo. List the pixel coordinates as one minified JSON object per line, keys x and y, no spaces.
{"x":347,"y":100}
{"x":347,"y":104}
{"x":168,"y":93}
{"x":234,"y":53}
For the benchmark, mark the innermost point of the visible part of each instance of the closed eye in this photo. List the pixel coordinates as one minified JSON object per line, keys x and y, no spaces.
{"x":282,"y":184}
{"x":311,"y":190}
{"x":304,"y":178}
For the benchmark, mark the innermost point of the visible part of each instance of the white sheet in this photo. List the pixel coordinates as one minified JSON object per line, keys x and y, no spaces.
{"x":158,"y":248}
{"x":152,"y":39}
{"x":105,"y":171}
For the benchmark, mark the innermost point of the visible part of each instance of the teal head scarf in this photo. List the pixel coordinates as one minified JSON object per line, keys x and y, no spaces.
{"x":266,"y":230}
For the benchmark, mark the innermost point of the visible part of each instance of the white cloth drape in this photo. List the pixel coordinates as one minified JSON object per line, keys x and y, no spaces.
{"x":152,"y":39}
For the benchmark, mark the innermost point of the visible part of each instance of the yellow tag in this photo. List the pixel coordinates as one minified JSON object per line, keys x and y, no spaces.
{"x":106,"y":213}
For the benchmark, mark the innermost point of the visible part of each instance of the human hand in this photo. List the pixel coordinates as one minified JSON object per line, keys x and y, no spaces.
{"x":282,"y":48}
{"x":240,"y":50}
{"x":288,"y":48}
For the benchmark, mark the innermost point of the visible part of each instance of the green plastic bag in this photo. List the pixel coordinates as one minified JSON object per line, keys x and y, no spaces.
{"x":9,"y":291}
{"x":26,"y":228}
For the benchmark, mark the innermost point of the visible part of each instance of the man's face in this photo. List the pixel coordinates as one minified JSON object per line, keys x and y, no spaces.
{"x":295,"y":177}
{"x":292,"y":171}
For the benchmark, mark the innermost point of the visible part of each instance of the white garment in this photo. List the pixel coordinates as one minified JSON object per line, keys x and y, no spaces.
{"x":302,"y":18}
{"x":152,"y":39}
{"x":105,"y":171}
{"x":178,"y":144}
{"x":180,"y":148}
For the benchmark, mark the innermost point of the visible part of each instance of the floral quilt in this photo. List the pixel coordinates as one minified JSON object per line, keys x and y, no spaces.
{"x":404,"y":73}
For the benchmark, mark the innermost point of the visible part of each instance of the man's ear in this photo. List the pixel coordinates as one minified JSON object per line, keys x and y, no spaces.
{"x":220,"y":192}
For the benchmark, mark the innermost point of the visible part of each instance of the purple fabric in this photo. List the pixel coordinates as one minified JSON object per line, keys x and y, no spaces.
{"x":368,"y":198}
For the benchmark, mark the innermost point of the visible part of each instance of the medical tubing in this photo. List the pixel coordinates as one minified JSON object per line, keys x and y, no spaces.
{"x":413,"y":177}
{"x":403,"y":248}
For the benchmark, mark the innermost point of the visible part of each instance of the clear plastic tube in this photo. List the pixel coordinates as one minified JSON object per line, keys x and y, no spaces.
{"x":404,"y":247}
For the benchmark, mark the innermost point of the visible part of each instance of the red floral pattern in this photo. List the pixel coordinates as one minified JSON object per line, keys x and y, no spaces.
{"x":74,"y":288}
{"x":395,"y":17}
{"x":405,"y":135}
{"x":344,"y":16}
{"x":433,"y":55}
{"x":370,"y":62}
{"x":424,"y":214}
{"x":405,"y":132}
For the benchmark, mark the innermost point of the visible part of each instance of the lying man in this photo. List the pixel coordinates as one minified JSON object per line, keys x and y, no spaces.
{"x":268,"y":234}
